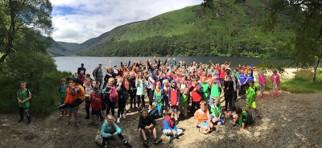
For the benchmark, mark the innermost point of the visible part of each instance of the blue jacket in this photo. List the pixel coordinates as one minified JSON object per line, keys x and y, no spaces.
{"x":109,"y":131}
{"x":166,"y":124}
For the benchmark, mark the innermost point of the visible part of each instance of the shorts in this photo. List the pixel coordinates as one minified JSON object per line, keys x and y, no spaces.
{"x":96,"y":112}
{"x":203,"y":124}
{"x":77,"y":102}
{"x":174,"y":108}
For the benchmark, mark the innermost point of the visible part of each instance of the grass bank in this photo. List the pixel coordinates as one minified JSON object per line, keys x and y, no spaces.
{"x":302,"y":82}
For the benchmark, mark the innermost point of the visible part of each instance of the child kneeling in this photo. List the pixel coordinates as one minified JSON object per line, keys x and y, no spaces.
{"x":110,"y":129}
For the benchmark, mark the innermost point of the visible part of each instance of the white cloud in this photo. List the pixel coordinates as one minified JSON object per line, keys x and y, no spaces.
{"x":79,"y":20}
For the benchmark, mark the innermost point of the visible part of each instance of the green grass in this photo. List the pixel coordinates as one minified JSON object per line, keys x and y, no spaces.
{"x":302,"y":83}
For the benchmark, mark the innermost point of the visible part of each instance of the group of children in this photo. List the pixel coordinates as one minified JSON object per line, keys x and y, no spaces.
{"x":174,"y":90}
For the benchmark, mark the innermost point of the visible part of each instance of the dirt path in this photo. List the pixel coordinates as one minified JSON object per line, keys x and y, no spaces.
{"x":292,"y":120}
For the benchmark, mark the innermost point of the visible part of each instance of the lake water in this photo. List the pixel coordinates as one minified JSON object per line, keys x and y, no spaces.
{"x":70,"y":64}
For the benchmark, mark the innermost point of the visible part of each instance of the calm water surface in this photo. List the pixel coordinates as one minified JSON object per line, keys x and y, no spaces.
{"x":70,"y":64}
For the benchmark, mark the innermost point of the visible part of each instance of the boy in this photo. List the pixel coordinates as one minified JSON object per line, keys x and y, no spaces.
{"x":110,"y":129}
{"x":184,"y":102}
{"x":62,"y":94}
{"x":242,"y":118}
{"x":147,"y":125}
{"x":23,"y":98}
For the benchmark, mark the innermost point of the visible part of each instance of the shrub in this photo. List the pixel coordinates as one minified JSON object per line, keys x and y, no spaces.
{"x":39,"y":71}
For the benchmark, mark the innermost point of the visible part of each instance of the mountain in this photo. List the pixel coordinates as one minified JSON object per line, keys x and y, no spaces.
{"x":226,"y":28}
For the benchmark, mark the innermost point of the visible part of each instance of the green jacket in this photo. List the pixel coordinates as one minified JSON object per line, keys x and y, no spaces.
{"x":215,"y":111}
{"x":242,"y":118}
{"x":22,"y":95}
{"x":250,"y":96}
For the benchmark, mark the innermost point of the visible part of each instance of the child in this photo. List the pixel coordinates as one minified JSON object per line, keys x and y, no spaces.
{"x":262,"y":83}
{"x":158,"y":98}
{"x":215,"y":92}
{"x":195,"y":99}
{"x":250,"y":96}
{"x":62,"y":94}
{"x":23,"y":98}
{"x":242,"y":118}
{"x":216,"y":113}
{"x":140,"y":85}
{"x":110,"y":129}
{"x":184,"y":102}
{"x":202,"y":118}
{"x":169,"y":128}
{"x":275,"y":78}
{"x":78,"y":93}
{"x":88,"y":90}
{"x":110,"y":96}
{"x":174,"y":97}
{"x":96,"y":104}
{"x":123,"y":95}
{"x":147,"y":125}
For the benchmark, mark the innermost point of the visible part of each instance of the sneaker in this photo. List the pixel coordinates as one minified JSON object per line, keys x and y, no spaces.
{"x":124,"y":115}
{"x":118,"y":120}
{"x":157,"y":141}
{"x":20,"y":120}
{"x":145,"y":144}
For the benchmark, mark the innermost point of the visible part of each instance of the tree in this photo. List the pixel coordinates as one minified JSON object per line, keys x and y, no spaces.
{"x":307,"y":17}
{"x":17,"y":16}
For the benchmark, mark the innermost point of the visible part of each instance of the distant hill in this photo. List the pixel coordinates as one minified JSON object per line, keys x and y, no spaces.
{"x":230,"y":27}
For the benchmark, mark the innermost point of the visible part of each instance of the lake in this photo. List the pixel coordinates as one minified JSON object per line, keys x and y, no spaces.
{"x":70,"y":64}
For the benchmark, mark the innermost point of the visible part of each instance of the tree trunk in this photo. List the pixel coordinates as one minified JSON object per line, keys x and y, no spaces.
{"x":316,"y":68}
{"x":11,"y":32}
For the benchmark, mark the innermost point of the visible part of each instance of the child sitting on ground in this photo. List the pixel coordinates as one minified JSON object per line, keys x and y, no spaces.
{"x":147,"y":125}
{"x":202,"y":118}
{"x":169,"y":128}
{"x":110,"y":129}
{"x":217,"y":117}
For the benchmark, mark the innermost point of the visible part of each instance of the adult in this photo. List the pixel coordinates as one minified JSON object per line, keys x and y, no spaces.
{"x":98,"y":74}
{"x":110,"y":129}
{"x":229,"y":92}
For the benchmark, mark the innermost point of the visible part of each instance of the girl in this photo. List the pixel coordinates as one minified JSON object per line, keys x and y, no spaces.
{"x":110,"y":96}
{"x":262,"y":83}
{"x":202,"y":118}
{"x":158,"y":98}
{"x":275,"y":78}
{"x":139,"y":83}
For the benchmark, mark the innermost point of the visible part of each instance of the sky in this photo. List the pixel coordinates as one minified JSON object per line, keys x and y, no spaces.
{"x":79,"y":20}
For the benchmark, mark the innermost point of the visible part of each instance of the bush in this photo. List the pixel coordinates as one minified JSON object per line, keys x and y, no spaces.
{"x":39,"y":71}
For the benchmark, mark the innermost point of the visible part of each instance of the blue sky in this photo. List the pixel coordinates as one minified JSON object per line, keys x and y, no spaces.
{"x":80,"y":20}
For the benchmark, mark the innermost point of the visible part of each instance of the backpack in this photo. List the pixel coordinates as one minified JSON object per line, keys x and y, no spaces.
{"x":250,"y":119}
{"x":113,"y":94}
